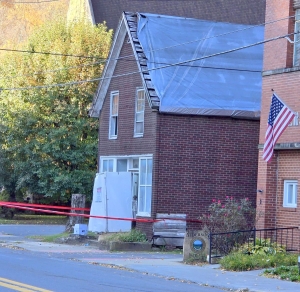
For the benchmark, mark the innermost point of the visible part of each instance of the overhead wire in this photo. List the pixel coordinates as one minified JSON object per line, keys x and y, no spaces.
{"x":49,"y":53}
{"x":132,"y":55}
{"x":151,"y":69}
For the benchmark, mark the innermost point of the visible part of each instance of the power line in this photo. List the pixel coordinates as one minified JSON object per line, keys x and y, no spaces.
{"x":153,"y":69}
{"x":49,"y":53}
{"x":132,"y":55}
{"x":28,"y":2}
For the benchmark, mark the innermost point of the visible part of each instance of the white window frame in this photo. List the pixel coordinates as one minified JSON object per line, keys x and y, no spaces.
{"x":113,"y":116}
{"x":106,"y":160}
{"x":287,"y":185}
{"x":146,"y":184}
{"x":130,"y":168}
{"x":139,"y":115}
{"x":295,"y":121}
{"x":296,"y":54}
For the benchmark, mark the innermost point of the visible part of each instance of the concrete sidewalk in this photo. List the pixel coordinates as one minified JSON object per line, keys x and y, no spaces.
{"x":163,"y":264}
{"x":167,"y":265}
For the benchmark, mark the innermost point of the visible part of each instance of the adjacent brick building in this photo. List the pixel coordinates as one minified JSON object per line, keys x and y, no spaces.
{"x":277,"y":201}
{"x":185,"y":157}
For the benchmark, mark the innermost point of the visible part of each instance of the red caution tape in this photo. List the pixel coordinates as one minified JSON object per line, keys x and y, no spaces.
{"x":45,"y":209}
{"x":44,"y":206}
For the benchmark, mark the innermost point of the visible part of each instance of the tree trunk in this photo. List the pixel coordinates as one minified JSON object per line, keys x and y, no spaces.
{"x":78,"y":201}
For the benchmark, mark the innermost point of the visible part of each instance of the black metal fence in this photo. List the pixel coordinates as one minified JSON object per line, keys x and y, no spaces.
{"x":222,"y":244}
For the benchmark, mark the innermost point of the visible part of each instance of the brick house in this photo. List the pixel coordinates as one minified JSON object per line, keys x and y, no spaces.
{"x":188,"y":132}
{"x":278,"y":180}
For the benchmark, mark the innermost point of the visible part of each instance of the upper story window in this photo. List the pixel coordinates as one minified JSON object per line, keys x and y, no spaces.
{"x":114,"y":109}
{"x":290,"y":190}
{"x":139,"y":113}
{"x":296,"y":61}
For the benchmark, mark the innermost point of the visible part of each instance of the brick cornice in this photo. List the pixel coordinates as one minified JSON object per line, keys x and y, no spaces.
{"x":283,"y":146}
{"x":280,"y":70}
{"x":296,"y":4}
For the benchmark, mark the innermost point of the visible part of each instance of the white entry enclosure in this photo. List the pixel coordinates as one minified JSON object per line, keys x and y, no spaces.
{"x":112,"y":196}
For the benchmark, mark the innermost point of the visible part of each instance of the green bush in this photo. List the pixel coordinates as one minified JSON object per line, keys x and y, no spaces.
{"x":133,"y":236}
{"x":284,"y":273}
{"x":262,"y":247}
{"x":238,"y":261}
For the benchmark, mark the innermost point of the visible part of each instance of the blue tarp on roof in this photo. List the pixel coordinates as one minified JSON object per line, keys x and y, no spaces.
{"x":228,"y":84}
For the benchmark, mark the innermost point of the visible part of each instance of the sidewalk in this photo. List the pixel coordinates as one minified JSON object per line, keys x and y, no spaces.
{"x":164,"y":264}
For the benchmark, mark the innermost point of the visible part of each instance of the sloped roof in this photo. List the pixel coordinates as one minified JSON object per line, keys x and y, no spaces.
{"x":235,"y":11}
{"x":228,"y":84}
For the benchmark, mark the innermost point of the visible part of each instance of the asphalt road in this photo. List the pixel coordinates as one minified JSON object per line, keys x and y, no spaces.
{"x":33,"y":266}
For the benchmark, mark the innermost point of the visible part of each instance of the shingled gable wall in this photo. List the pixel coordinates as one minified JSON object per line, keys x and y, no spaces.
{"x":195,"y":158}
{"x":234,"y":11}
{"x":284,"y":79}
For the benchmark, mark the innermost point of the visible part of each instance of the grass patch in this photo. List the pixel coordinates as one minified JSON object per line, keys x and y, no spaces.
{"x":50,"y":238}
{"x":284,"y":273}
{"x":35,"y":219}
{"x":132,"y":236}
{"x":238,"y":261}
{"x":55,"y":237}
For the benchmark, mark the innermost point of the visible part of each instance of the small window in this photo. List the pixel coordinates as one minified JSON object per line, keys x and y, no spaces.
{"x":107,"y":165}
{"x":114,"y":110}
{"x":295,"y":121}
{"x":121,"y":165}
{"x":139,"y":113}
{"x":290,"y":193}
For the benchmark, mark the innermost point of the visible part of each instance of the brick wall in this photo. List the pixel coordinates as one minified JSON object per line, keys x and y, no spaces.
{"x":204,"y":158}
{"x":279,"y":53}
{"x":285,"y":163}
{"x":126,"y":144}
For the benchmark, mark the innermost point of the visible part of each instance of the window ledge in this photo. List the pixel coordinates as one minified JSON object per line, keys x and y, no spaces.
{"x":143,"y":215}
{"x":113,"y":138}
{"x":138,"y":135}
{"x":288,"y":209}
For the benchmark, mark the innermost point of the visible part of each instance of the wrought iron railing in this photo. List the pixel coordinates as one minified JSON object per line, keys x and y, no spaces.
{"x":221,"y":244}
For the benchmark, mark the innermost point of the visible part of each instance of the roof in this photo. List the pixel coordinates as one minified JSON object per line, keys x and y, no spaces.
{"x":228,"y":84}
{"x":235,"y":11}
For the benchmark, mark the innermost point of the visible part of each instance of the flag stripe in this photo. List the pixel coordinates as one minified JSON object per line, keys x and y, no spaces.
{"x":280,"y":117}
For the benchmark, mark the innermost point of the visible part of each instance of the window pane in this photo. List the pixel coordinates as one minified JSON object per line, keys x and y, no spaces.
{"x":143,"y":171}
{"x":115,"y":103}
{"x":104,"y":168}
{"x":140,"y":103}
{"x":135,"y":163}
{"x":111,"y":165}
{"x":148,"y":199}
{"x":139,"y":128}
{"x":149,"y":172}
{"x":114,"y":126}
{"x":140,"y":117}
{"x":121,"y":165}
{"x":290,"y":194}
{"x":142,"y":199}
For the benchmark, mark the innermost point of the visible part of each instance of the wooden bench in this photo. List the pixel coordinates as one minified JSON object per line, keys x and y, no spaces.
{"x":170,"y":230}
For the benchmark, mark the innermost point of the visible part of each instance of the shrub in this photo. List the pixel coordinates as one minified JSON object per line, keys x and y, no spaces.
{"x":263,"y":247}
{"x":133,"y":236}
{"x":237,"y":261}
{"x":284,"y":273}
{"x":229,"y":215}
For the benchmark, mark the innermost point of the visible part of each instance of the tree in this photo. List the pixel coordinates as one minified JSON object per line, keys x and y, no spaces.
{"x":48,"y":143}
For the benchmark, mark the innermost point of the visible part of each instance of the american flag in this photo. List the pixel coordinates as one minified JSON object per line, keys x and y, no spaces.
{"x":279,"y":118}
